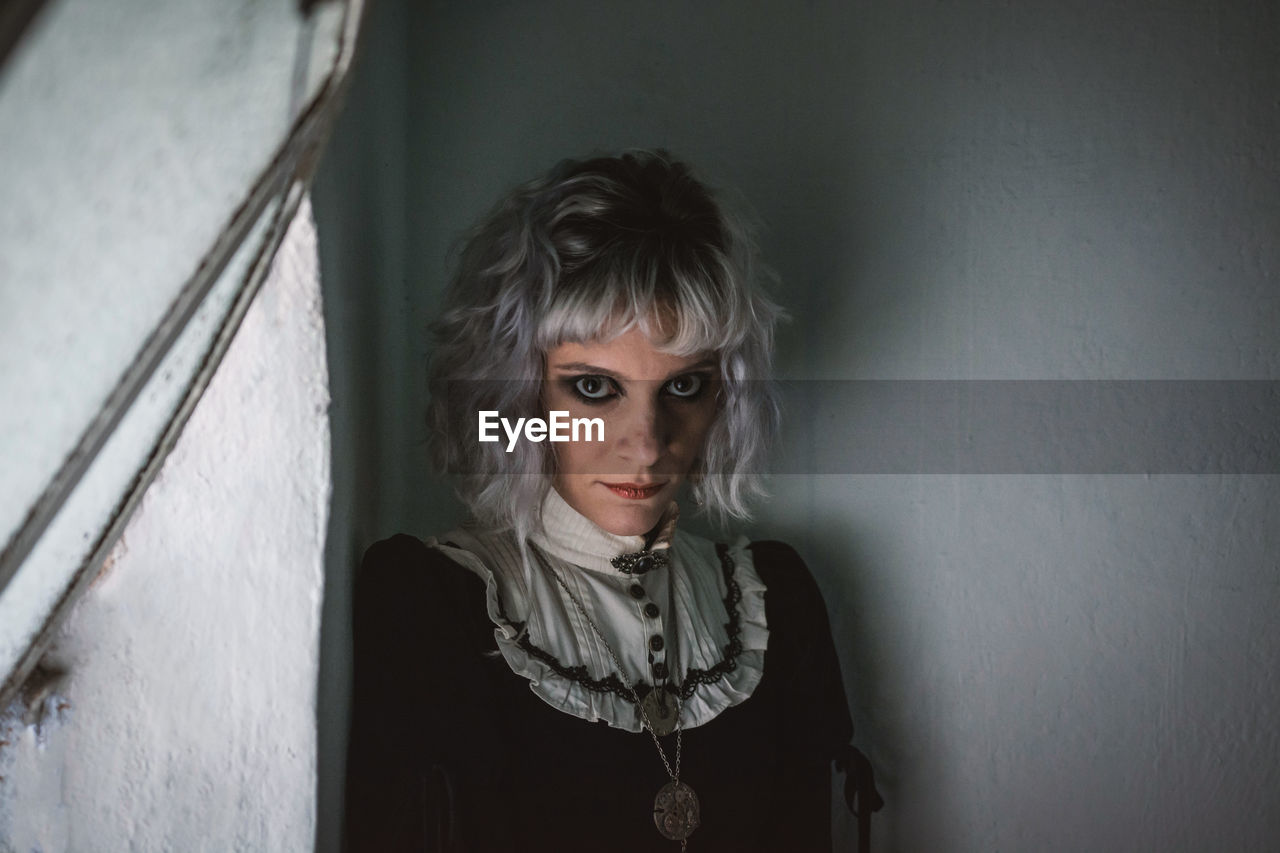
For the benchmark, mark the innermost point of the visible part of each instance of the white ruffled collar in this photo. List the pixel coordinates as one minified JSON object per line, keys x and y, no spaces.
{"x":533,"y":617}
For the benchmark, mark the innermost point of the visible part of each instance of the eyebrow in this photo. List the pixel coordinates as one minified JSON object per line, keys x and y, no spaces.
{"x":583,"y":367}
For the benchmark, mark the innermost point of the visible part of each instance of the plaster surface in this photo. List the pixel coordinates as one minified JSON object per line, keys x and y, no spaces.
{"x":181,"y":712}
{"x":130,"y":134}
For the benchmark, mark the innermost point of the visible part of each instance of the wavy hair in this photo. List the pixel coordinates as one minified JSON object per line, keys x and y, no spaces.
{"x":586,"y":252}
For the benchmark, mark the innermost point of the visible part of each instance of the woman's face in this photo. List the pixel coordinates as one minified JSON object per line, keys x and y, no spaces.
{"x":656,"y":408}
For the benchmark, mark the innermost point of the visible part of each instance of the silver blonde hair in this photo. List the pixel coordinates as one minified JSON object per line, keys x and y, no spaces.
{"x":589,"y":250}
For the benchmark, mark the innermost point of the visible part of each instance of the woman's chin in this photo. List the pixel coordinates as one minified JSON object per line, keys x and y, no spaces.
{"x":616,"y":512}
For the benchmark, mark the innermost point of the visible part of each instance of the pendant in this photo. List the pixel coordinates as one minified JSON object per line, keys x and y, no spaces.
{"x":660,"y":711}
{"x":676,"y":811}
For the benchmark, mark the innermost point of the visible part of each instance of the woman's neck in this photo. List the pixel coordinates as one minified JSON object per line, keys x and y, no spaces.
{"x":567,"y":534}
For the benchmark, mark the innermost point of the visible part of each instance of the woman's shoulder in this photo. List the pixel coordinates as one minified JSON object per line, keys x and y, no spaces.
{"x":407,"y":557}
{"x":778,"y":560}
{"x":787,"y":577}
{"x":411,"y":603}
{"x":778,"y":565}
{"x":402,"y":571}
{"x":395,"y":553}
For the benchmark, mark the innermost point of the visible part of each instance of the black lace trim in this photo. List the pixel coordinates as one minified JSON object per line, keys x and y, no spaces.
{"x":612,"y":683}
{"x":729,"y":662}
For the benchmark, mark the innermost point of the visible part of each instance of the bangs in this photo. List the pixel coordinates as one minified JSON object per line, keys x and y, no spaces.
{"x":682,"y":309}
{"x":588,"y":252}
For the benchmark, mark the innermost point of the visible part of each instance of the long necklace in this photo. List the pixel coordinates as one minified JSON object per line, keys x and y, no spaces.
{"x":676,"y":810}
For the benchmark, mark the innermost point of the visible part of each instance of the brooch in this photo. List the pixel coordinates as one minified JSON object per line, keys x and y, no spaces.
{"x":640,"y":562}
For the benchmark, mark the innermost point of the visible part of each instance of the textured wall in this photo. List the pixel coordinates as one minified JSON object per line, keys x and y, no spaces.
{"x":130,"y":134}
{"x":185,"y":720}
{"x":972,"y":190}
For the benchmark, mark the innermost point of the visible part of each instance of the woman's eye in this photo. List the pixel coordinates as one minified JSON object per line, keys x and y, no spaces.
{"x":593,"y":387}
{"x":685,"y":386}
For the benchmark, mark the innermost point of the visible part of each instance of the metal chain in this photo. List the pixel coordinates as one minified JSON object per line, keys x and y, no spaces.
{"x":675,"y":775}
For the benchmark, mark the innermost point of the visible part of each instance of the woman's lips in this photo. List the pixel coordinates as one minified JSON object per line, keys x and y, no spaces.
{"x":634,"y":491}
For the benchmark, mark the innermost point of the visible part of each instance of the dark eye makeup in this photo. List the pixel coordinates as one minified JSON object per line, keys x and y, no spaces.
{"x":592,"y":389}
{"x":595,"y":389}
{"x":687,"y":386}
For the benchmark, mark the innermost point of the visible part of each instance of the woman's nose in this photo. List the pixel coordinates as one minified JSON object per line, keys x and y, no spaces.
{"x":643,"y":439}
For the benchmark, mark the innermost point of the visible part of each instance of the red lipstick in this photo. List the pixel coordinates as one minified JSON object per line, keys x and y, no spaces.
{"x":634,"y":491}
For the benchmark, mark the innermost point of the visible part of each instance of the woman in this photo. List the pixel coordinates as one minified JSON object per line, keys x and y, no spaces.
{"x":571,"y":670}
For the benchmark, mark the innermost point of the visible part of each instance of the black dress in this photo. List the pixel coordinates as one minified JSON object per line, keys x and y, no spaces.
{"x":451,"y":751}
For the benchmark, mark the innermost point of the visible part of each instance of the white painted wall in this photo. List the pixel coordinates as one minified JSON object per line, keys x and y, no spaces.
{"x":131,"y":135}
{"x":967,"y":190}
{"x":185,"y":720}
{"x":131,"y":132}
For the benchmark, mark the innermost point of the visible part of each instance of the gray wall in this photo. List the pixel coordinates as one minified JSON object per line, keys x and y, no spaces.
{"x":959,"y":191}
